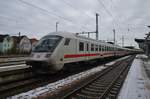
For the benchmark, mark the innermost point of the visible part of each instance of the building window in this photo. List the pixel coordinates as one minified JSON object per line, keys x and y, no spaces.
{"x":67,"y":41}
{"x":81,"y":46}
{"x":92,"y":47}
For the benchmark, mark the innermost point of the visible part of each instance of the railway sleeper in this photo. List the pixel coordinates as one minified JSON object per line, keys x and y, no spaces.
{"x":81,"y":96}
{"x":96,"y":87}
{"x":90,"y":93}
{"x":111,"y":96}
{"x":100,"y":89}
{"x":117,"y":85}
{"x":113,"y":92}
{"x":99,"y":84}
{"x":93,"y":90}
{"x":114,"y":88}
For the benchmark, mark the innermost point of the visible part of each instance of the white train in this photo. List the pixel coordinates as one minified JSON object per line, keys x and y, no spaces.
{"x":58,"y":48}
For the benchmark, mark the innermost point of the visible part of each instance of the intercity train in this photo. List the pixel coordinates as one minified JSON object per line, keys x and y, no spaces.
{"x":56,"y":49}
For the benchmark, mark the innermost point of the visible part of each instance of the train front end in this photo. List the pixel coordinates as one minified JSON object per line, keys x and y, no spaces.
{"x":42,"y":59}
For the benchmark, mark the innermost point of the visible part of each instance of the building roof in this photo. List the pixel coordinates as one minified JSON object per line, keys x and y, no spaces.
{"x":32,"y":40}
{"x":17,"y":38}
{"x":2,"y":37}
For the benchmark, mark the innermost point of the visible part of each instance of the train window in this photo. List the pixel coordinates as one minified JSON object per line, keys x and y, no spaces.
{"x":47,"y":43}
{"x":67,"y":41}
{"x":87,"y":47}
{"x":96,"y":47}
{"x":110,"y":48}
{"x":99,"y":47}
{"x":105,"y":48}
{"x":81,"y":46}
{"x":92,"y":47}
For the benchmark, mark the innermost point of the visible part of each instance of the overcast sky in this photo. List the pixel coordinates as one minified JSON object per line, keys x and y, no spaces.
{"x":36,"y":18}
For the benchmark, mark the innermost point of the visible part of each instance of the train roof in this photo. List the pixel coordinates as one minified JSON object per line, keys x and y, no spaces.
{"x":76,"y":35}
{"x":63,"y":34}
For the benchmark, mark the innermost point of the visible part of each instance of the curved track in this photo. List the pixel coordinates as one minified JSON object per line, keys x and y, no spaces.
{"x":106,"y":85}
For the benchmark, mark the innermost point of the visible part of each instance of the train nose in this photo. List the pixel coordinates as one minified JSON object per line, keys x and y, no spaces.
{"x":47,"y":55}
{"x":40,"y":56}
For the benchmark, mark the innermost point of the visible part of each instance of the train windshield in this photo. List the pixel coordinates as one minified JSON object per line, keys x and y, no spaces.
{"x":47,"y":44}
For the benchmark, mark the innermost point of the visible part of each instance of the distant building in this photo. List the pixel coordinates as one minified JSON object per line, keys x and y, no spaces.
{"x":141,"y":43}
{"x":22,"y":44}
{"x":33,"y":42}
{"x":6,"y":44}
{"x":143,"y":46}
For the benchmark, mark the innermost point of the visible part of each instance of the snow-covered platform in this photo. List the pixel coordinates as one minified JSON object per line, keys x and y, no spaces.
{"x":137,"y":83}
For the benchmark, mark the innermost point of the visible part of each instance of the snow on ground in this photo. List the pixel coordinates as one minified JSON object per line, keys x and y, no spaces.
{"x":137,"y":84}
{"x":54,"y":87}
{"x":111,"y":63}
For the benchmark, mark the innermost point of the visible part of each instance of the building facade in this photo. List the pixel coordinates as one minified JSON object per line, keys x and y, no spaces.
{"x":22,"y":44}
{"x":33,"y":42}
{"x":8,"y":44}
{"x":144,"y":45}
{"x":16,"y":44}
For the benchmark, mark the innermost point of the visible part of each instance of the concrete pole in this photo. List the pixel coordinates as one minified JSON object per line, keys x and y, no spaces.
{"x":114,"y":41}
{"x":97,"y":26}
{"x":122,"y":41}
{"x":57,"y":26}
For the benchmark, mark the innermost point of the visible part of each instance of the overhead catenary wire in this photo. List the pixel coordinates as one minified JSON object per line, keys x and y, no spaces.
{"x":108,"y":12}
{"x":70,"y":5}
{"x":66,"y":2}
{"x":51,"y":13}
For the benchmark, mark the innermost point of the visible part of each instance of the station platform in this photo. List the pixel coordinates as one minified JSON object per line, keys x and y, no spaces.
{"x":137,"y":83}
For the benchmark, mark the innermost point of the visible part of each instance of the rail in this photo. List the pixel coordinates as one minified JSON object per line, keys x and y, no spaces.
{"x":101,"y":87}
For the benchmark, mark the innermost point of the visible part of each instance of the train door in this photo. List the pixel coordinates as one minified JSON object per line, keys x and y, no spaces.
{"x":81,"y":55}
{"x":87,"y":50}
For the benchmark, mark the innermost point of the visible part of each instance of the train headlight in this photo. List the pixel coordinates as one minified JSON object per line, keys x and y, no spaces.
{"x":47,"y":55}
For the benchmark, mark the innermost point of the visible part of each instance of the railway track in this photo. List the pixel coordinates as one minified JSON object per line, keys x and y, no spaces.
{"x":27,"y":80}
{"x":12,"y":56}
{"x":106,"y":85}
{"x":10,"y":63}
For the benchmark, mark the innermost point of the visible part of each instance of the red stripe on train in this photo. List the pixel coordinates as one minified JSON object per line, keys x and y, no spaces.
{"x":83,"y":55}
